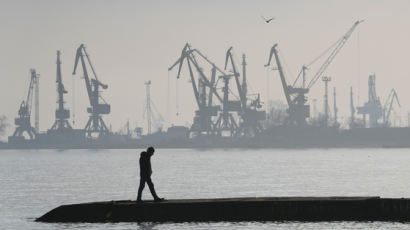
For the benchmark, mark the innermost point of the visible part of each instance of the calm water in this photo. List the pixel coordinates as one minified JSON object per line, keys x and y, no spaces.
{"x":34,"y":182}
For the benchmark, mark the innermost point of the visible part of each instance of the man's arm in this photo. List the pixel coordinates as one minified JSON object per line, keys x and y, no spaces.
{"x":149,"y":166}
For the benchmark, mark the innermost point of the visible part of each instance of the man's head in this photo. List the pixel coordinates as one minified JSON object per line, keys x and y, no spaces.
{"x":150,"y":150}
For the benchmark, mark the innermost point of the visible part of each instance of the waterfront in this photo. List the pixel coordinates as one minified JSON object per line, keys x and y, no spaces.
{"x":34,"y":181}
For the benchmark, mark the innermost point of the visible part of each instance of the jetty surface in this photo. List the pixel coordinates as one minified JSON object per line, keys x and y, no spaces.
{"x":236,"y":209}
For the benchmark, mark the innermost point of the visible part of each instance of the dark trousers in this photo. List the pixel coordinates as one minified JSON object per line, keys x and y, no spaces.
{"x":150,"y":185}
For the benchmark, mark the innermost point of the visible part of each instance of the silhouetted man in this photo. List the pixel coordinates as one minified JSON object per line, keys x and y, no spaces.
{"x":145,"y":174}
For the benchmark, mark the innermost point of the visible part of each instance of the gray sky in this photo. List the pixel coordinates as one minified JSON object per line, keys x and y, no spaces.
{"x":131,"y":42}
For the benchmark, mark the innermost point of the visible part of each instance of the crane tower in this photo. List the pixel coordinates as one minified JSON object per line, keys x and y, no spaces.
{"x":62,"y":114}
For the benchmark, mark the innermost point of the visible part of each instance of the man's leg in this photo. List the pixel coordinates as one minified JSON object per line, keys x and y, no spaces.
{"x":141,"y":187}
{"x":152,"y":189}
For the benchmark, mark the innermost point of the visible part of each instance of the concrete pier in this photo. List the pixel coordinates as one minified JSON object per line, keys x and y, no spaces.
{"x":237,"y":209}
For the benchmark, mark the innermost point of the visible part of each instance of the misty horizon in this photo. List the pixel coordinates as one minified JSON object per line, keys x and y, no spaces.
{"x":136,"y":41}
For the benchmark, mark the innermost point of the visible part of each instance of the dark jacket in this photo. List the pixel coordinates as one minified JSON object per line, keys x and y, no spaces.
{"x":145,"y":165}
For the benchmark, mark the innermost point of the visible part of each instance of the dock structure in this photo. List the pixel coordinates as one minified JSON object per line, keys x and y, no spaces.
{"x":236,"y":209}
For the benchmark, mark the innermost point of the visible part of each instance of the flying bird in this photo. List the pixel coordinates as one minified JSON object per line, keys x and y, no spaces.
{"x":267,"y":20}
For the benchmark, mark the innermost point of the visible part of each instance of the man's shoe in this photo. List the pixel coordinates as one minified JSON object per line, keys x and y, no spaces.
{"x":138,"y":201}
{"x":158,"y":199}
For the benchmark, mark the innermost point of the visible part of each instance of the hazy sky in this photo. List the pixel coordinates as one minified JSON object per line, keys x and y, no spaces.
{"x":131,"y":42}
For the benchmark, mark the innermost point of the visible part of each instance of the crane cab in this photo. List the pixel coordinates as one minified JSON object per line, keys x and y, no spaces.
{"x":100,"y":109}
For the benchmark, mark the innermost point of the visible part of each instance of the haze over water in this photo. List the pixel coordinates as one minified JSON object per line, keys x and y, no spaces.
{"x":34,"y":182}
{"x":131,"y":42}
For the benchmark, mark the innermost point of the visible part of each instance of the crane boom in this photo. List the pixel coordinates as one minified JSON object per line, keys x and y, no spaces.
{"x":196,"y":93}
{"x":80,"y":56}
{"x":229,"y":56}
{"x":29,"y":98}
{"x":209,"y":61}
{"x":203,"y":77}
{"x":389,"y":103}
{"x":89,"y":62}
{"x":273,"y":51}
{"x":180,"y":60}
{"x":339,"y":46}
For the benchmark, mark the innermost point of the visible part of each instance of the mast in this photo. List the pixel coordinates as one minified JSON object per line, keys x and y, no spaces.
{"x":244,"y":84}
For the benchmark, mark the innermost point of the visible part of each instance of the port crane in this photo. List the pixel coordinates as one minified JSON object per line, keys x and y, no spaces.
{"x":249,"y":112}
{"x":204,"y":89}
{"x":62,"y":114}
{"x":388,"y":105}
{"x":296,"y":96}
{"x":95,"y":122}
{"x":373,"y":106}
{"x":24,"y":113}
